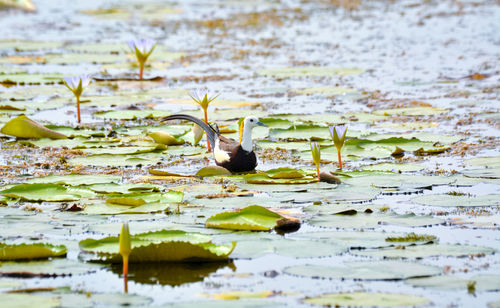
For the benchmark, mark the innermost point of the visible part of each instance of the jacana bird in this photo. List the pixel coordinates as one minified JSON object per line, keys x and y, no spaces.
{"x":235,"y":156}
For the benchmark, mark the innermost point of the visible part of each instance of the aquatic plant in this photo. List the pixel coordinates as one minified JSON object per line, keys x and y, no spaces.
{"x":412,"y":237}
{"x":338,"y":133}
{"x":198,"y":133}
{"x":203,"y":98}
{"x":316,"y":154}
{"x":76,"y":85}
{"x":142,"y":50}
{"x":125,"y":249}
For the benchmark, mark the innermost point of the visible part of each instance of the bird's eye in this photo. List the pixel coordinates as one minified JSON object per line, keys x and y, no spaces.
{"x":251,"y":120}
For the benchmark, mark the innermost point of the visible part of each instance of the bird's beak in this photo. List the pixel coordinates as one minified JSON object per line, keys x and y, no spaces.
{"x":261,"y":124}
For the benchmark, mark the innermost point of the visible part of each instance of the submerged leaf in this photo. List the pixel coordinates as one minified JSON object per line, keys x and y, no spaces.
{"x":23,"y":127}
{"x":253,"y":218}
{"x":30,"y":251}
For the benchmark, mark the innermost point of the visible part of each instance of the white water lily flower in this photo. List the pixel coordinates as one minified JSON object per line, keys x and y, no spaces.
{"x":76,"y":84}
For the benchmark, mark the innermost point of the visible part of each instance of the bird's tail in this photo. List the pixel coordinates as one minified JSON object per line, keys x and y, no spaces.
{"x":211,"y":133}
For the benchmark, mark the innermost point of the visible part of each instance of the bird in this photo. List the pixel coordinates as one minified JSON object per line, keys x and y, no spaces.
{"x":235,"y":156}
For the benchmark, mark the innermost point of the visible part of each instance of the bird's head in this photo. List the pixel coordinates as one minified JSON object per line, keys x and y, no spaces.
{"x":252,"y":122}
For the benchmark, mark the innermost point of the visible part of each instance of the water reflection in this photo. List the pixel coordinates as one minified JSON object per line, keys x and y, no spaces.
{"x":172,"y":274}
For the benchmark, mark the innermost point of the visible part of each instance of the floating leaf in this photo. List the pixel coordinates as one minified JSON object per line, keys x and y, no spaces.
{"x":445,"y":282}
{"x":253,"y":218}
{"x":76,"y":179}
{"x":30,"y":79}
{"x":309,"y":71}
{"x":160,"y":246}
{"x":45,"y":192}
{"x":365,"y":299}
{"x":450,"y":200}
{"x":395,"y":167}
{"x":30,"y":251}
{"x":26,"y":300}
{"x":285,"y":173}
{"x":165,"y":138}
{"x":366,"y":270}
{"x":411,"y":111}
{"x":23,"y":127}
{"x":366,"y":220}
{"x":212,"y":171}
{"x":132,"y":114}
{"x":264,"y":179}
{"x":423,"y":251}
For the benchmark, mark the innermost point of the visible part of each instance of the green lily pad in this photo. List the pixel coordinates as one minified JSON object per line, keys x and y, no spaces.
{"x":54,"y":267}
{"x":19,"y":300}
{"x":366,"y":299}
{"x":366,"y":270}
{"x":451,"y":200}
{"x":132,"y":114}
{"x":485,"y":173}
{"x":165,"y":138}
{"x":309,"y":71}
{"x":23,"y":127}
{"x":30,"y":79}
{"x":483,"y":282}
{"x":76,"y":179}
{"x":412,"y":111}
{"x":365,"y":220}
{"x":161,"y":246}
{"x":285,"y":173}
{"x":45,"y":192}
{"x":264,"y":179}
{"x":490,"y":162}
{"x":325,"y":91}
{"x":30,"y":251}
{"x":253,"y":218}
{"x":212,"y":171}
{"x":124,"y":150}
{"x":77,"y":58}
{"x":24,"y":45}
{"x":112,"y":188}
{"x":104,"y":160}
{"x":395,"y":167}
{"x":423,"y":251}
{"x":140,"y":198}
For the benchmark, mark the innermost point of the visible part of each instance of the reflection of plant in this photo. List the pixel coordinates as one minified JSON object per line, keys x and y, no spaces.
{"x":338,"y":133}
{"x":125,"y":249}
{"x":316,"y":154}
{"x":203,"y":99}
{"x":142,"y":50}
{"x":76,"y":85}
{"x":471,"y":286}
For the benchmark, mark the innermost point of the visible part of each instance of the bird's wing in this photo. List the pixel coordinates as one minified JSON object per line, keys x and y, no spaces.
{"x":228,"y":145}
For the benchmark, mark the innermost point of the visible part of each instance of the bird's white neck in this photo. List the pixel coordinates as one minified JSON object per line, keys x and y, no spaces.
{"x":246,"y":139}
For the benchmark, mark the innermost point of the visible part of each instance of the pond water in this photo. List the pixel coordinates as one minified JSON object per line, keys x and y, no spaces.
{"x":417,"y":83}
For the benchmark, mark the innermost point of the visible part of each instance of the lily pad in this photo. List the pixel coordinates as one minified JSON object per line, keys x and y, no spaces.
{"x":445,"y":282}
{"x":132,"y":114}
{"x":365,"y":270}
{"x":45,"y":192}
{"x":423,"y":251}
{"x":395,"y":167}
{"x":30,"y":251}
{"x":412,"y":111}
{"x":23,"y":127}
{"x":104,"y":160}
{"x":264,"y":179}
{"x":212,"y":171}
{"x":366,"y":220}
{"x":365,"y":299}
{"x":16,"y":300}
{"x":253,"y":218}
{"x":30,"y":79}
{"x":161,"y":246}
{"x":76,"y":179}
{"x":451,"y":200}
{"x":309,"y":71}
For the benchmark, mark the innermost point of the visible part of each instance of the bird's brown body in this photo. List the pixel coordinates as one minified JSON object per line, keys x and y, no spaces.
{"x":228,"y":153}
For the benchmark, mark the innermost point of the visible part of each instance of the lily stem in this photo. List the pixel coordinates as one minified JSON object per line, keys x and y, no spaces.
{"x":141,"y":70}
{"x":125,"y":272}
{"x":317,"y":172}
{"x":206,"y":122}
{"x":78,"y":108}
{"x":340,"y":160}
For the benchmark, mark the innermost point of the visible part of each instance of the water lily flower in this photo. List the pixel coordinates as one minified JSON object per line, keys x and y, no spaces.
{"x":316,"y":154}
{"x":125,"y":249}
{"x":204,"y":98}
{"x":338,"y":133}
{"x":142,"y":50}
{"x":76,"y":85}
